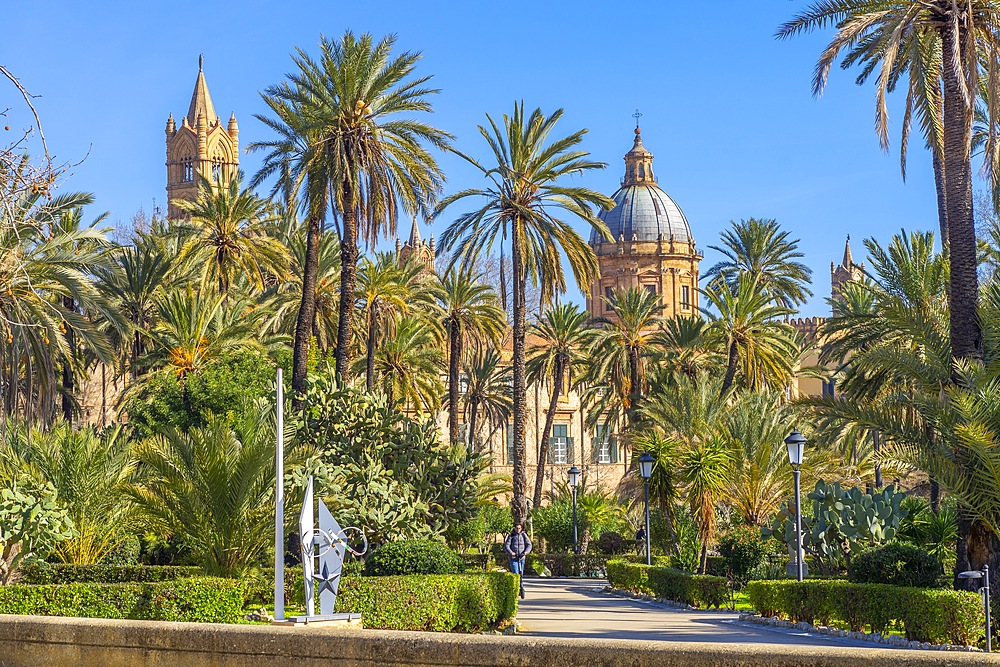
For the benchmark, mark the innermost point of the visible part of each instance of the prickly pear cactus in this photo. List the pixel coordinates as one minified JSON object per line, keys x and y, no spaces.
{"x":846,"y":521}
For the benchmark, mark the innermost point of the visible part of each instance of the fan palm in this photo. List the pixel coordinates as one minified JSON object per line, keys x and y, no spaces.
{"x":346,"y":124}
{"x":468,"y":307}
{"x":521,"y":203}
{"x":226,"y":237}
{"x":557,"y":355}
{"x":760,"y":249}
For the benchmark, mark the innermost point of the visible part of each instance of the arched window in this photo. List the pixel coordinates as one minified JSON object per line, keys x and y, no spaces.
{"x":187,"y":165}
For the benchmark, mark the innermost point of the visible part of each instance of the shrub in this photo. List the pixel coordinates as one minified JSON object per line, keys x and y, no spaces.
{"x":497,"y":520}
{"x":203,"y":599}
{"x":554,"y":524}
{"x":51,"y":573}
{"x":573,"y":565}
{"x":693,"y":589}
{"x":479,"y":562}
{"x":413,"y":557}
{"x":744,"y":553}
{"x":925,"y":615}
{"x":613,"y":544}
{"x":896,"y":563}
{"x":441,"y":603}
{"x":125,"y":553}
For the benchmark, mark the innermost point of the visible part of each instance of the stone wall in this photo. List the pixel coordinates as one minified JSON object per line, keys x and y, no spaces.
{"x":71,"y":642}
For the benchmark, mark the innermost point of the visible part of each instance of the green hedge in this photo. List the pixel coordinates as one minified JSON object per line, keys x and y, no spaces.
{"x":694,"y":589}
{"x":204,"y":599}
{"x":440,"y":603}
{"x":49,"y":573}
{"x":572,"y":565}
{"x":926,"y":615}
{"x":413,"y":557}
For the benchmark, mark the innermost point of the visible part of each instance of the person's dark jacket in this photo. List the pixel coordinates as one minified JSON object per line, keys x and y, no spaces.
{"x":517,"y":545}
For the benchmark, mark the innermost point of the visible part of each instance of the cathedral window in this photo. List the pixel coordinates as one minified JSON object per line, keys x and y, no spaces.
{"x":608,"y":293}
{"x":685,"y":297}
{"x":188,"y":167}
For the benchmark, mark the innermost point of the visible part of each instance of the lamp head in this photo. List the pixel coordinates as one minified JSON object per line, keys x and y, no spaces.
{"x":574,"y":476}
{"x":796,"y":443}
{"x":646,"y":462}
{"x":970,"y":574}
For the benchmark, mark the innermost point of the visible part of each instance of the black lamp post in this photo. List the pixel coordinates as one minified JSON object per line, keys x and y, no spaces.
{"x":646,"y":462}
{"x":796,"y":443}
{"x":985,"y":592}
{"x":574,"y":481}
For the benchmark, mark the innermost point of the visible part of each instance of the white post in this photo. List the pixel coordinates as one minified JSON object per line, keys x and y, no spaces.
{"x":279,"y":504}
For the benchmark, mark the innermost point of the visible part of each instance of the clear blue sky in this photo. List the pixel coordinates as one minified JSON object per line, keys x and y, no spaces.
{"x":727,"y":109}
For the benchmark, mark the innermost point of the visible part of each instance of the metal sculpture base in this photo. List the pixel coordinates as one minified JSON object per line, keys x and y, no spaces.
{"x":323,"y":620}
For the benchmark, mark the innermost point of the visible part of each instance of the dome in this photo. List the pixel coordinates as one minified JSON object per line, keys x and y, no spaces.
{"x":643,"y":212}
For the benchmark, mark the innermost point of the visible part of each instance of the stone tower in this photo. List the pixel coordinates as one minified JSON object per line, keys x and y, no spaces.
{"x":201,"y":146}
{"x":653,"y":247}
{"x":848,"y":271}
{"x":423,"y":253}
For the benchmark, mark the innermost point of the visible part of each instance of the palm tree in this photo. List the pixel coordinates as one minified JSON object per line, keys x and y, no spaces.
{"x":409,"y":363}
{"x":383,"y":293}
{"x":489,"y":381}
{"x":884,"y":36}
{"x":681,"y":346}
{"x":624,"y":344}
{"x":705,"y":468}
{"x":746,"y":325}
{"x":760,"y":249}
{"x":226,"y":238}
{"x":345,"y":123}
{"x":213,"y":488}
{"x":561,"y":348}
{"x":469,"y":307}
{"x":521,"y":204}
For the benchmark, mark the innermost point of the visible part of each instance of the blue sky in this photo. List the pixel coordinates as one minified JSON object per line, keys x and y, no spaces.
{"x":727,"y":109}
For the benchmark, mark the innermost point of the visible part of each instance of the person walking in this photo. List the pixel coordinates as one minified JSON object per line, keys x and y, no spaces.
{"x":518,"y":545}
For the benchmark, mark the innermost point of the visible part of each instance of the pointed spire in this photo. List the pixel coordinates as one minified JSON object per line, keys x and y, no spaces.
{"x":171,"y":126}
{"x":414,"y":235}
{"x":848,"y":258}
{"x":201,"y":101}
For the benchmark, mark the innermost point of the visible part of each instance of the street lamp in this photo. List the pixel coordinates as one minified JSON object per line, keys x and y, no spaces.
{"x":985,"y":592}
{"x":646,"y":462}
{"x":796,"y":443}
{"x":574,"y":481}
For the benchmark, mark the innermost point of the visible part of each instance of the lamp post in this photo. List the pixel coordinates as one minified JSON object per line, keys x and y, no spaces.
{"x":574,"y":481}
{"x":985,"y":592}
{"x":646,"y":462}
{"x":796,"y":443}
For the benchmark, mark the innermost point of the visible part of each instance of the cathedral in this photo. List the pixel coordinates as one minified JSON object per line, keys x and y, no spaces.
{"x":652,"y":248}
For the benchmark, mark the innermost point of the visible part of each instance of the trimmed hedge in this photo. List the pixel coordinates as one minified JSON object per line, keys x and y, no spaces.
{"x":438,"y":603}
{"x":926,"y":615}
{"x":205,"y":600}
{"x":413,"y":557}
{"x":50,"y":573}
{"x":573,"y":565}
{"x":898,"y":564}
{"x":697,"y":590}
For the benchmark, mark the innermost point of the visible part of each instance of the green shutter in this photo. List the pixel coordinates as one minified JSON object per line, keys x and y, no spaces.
{"x":551,"y":454}
{"x":613,"y":447}
{"x":570,"y":459}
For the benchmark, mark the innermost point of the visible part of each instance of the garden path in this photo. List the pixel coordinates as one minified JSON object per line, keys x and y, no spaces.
{"x":577,"y":608}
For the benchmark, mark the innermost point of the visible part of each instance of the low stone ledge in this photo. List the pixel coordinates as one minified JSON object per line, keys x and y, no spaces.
{"x":75,"y":642}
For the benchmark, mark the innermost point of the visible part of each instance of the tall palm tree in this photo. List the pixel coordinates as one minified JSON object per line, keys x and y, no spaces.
{"x":760,"y":249}
{"x":681,"y":346}
{"x":489,"y":392}
{"x":469,"y":307}
{"x":346,"y":123}
{"x":881,"y":36}
{"x":383,"y":293}
{"x":409,"y":363}
{"x":557,"y":356}
{"x":521,"y":203}
{"x":226,"y":236}
{"x":746,"y":324}
{"x":624,"y":344}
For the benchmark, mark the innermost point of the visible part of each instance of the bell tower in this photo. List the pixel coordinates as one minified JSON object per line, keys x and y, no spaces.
{"x":847,"y":272}
{"x":201,"y":146}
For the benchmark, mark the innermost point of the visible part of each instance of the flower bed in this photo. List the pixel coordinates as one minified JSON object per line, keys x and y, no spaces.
{"x":926,"y":615}
{"x":664,"y":582}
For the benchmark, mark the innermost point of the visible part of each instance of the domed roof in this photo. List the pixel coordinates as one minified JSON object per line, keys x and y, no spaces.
{"x":643,"y":212}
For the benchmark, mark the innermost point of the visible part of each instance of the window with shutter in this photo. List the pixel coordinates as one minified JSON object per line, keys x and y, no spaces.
{"x":559,"y":444}
{"x":602,"y":451}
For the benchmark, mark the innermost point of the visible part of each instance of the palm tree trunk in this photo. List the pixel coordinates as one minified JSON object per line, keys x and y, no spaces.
{"x":348,"y":279}
{"x":942,"y":199}
{"x":734,"y":360}
{"x":519,"y":506}
{"x":704,"y":558}
{"x":454,"y":359}
{"x":307,"y":313}
{"x":370,"y":352}
{"x":543,"y":443}
{"x":473,"y":409}
{"x":633,"y":389}
{"x":68,"y":383}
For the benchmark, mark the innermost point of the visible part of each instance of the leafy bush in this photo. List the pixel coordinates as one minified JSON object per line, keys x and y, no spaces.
{"x":696,"y":590}
{"x":573,"y":565}
{"x":896,"y":563}
{"x":466,"y":533}
{"x":479,"y":562}
{"x":554,"y":524}
{"x":51,"y":573}
{"x":204,"y":600}
{"x":497,"y":520}
{"x":440,"y":603}
{"x":125,"y":553}
{"x":744,"y":553}
{"x":926,"y":615}
{"x":613,"y":544}
{"x":413,"y":557}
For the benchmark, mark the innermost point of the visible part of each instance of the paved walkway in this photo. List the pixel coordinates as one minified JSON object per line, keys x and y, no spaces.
{"x":578,"y":608}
